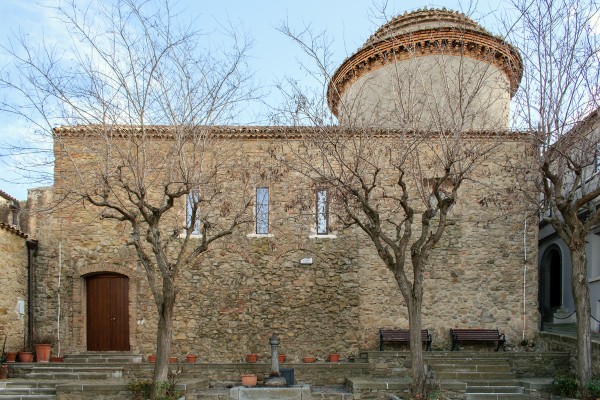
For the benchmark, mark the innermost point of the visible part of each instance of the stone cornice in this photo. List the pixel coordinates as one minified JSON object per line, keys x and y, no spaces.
{"x":159,"y":132}
{"x":475,"y":44}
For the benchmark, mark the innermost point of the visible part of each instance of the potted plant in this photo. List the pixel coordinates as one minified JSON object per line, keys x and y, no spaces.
{"x":3,"y":365}
{"x":309,"y":359}
{"x":172,"y":360}
{"x":281,"y":357}
{"x":43,"y":345}
{"x":152,"y":358}
{"x":25,"y":356}
{"x":251,"y":358}
{"x":191,"y":358}
{"x":334,"y":356}
{"x":249,"y":379}
{"x":11,"y":356}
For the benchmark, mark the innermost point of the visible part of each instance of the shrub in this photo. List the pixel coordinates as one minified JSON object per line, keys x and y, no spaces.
{"x":593,"y":388}
{"x":565,"y":385}
{"x":141,"y":388}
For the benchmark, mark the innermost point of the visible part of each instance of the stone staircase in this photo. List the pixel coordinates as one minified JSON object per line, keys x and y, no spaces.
{"x":486,"y":378}
{"x":27,"y":390}
{"x":36,"y":381}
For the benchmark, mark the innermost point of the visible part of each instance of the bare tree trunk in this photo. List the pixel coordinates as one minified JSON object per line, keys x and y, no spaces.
{"x":581,"y":297}
{"x":163,"y":339}
{"x":416,"y":346}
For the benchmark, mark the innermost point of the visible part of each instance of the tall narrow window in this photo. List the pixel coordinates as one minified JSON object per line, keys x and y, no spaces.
{"x":322,"y":212}
{"x":193,"y":202}
{"x":262,"y":211}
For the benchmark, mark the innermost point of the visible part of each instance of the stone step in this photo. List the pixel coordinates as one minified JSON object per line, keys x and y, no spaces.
{"x":496,"y":396}
{"x":67,"y":368}
{"x":466,"y":361}
{"x":471,"y":368}
{"x":495,"y":389}
{"x":213,"y":394}
{"x":340,"y":392}
{"x":67,"y":376}
{"x":27,"y":390}
{"x":95,"y":358}
{"x":465,"y":376}
{"x":16,"y":383}
{"x":27,"y":397}
{"x":493,"y":382}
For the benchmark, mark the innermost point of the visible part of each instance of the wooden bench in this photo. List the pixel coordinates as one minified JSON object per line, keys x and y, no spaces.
{"x":477,"y":335}
{"x":401,"y":336}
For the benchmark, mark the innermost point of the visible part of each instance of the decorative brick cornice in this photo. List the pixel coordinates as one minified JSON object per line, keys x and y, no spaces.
{"x":409,"y":36}
{"x":13,"y":230}
{"x":166,"y":132}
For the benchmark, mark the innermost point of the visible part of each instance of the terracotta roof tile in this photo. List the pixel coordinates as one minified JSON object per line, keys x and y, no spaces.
{"x":13,"y":230}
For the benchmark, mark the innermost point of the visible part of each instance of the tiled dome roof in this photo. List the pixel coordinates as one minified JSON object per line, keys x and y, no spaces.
{"x":423,"y":19}
{"x":426,"y":32}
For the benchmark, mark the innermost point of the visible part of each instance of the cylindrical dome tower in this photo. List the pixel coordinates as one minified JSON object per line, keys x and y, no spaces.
{"x":431,"y":69}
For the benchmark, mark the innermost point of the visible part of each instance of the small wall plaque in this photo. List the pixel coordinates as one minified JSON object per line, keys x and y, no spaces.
{"x":306,"y":261}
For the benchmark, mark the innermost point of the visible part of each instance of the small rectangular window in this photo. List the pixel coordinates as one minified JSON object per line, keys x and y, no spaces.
{"x":193,"y":202}
{"x":262,"y":211}
{"x":322,"y":212}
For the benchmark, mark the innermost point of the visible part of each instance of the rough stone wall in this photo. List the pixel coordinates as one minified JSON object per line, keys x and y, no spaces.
{"x":553,"y":342}
{"x":474,"y":278}
{"x":13,"y":284}
{"x":246,"y":288}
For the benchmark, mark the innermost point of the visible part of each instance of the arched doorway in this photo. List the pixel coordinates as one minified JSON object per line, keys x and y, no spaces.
{"x":554,"y":266}
{"x":551,"y":282}
{"x":107,"y":313}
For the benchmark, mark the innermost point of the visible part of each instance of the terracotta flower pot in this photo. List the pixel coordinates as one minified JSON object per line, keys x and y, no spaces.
{"x":151,"y":358}
{"x":11,"y":356}
{"x":309,"y":359}
{"x":172,"y":360}
{"x":191,"y":358}
{"x":334,"y":357}
{"x":57,"y":359}
{"x":3,"y":371}
{"x":25,"y":356}
{"x":249,"y":380}
{"x":42,"y":352}
{"x":281,"y":358}
{"x":251,"y":358}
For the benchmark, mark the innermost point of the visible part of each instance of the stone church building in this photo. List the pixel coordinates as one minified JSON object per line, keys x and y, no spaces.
{"x":294,"y":270}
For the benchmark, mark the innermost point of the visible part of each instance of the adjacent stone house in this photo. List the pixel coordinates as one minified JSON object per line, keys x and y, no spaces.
{"x":556,"y":297}
{"x":15,"y":260}
{"x":293,"y":270}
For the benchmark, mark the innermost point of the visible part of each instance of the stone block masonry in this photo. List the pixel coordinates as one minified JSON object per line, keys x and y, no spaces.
{"x":13,"y":287}
{"x":247,"y":287}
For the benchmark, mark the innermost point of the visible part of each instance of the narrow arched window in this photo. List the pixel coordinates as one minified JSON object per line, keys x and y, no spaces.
{"x":322,"y":212}
{"x":192,"y":215}
{"x":262,"y":211}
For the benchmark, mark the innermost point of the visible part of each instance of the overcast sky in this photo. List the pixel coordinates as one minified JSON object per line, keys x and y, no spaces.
{"x":349,"y":23}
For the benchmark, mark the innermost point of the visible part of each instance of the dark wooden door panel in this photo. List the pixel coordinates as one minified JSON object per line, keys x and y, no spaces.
{"x":107,"y":313}
{"x":120,"y":314}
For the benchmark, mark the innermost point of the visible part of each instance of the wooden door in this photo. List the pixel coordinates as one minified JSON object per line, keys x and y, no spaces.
{"x":107,"y":312}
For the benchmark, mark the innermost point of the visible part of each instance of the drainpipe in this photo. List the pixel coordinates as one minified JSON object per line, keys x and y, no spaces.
{"x":524,"y":277}
{"x":32,"y":246}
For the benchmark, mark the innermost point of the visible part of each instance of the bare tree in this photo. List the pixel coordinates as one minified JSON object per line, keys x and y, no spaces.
{"x":407,"y":143}
{"x":134,"y":96}
{"x":558,"y":92}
